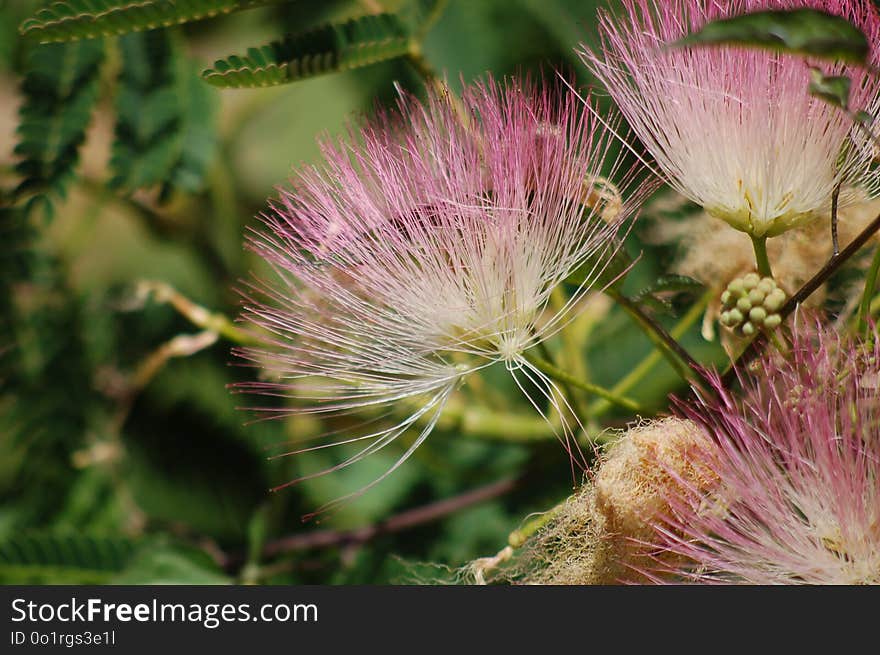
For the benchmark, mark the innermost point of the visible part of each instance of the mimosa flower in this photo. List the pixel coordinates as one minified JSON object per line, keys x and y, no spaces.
{"x":426,"y":248}
{"x":735,"y":129}
{"x":797,"y":459}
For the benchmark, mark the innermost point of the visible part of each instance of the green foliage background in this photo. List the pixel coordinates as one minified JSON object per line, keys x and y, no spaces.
{"x":128,"y":165}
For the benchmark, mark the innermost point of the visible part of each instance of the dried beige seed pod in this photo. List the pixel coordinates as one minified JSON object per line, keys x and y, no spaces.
{"x":601,"y":532}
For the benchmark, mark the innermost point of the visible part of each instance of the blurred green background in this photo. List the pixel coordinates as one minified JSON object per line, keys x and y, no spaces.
{"x":103,"y":481}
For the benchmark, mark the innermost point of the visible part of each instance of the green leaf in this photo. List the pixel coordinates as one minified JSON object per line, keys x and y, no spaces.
{"x":331,"y":48}
{"x":62,"y":557}
{"x":16,"y":259}
{"x":165,"y":564}
{"x":60,"y":90}
{"x":833,"y":89}
{"x":164,"y":131}
{"x":363,"y":509}
{"x":76,"y":558}
{"x":86,"y":19}
{"x":197,"y":135}
{"x":658,"y":305}
{"x":800,"y":31}
{"x":180,"y":475}
{"x":43,"y":321}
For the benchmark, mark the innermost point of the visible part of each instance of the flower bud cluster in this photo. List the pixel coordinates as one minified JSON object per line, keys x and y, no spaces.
{"x":751,"y":303}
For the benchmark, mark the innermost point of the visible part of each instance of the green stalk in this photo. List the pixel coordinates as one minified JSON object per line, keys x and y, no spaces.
{"x":760,"y":245}
{"x":520,"y":536}
{"x":199,"y":316}
{"x":576,"y":402}
{"x":573,"y":337}
{"x":562,"y":376}
{"x":474,"y":421}
{"x":775,"y":340}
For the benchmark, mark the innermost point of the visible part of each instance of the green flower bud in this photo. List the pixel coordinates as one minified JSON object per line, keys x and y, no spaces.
{"x":775,"y":300}
{"x":756,"y":296}
{"x":736,"y":287}
{"x":748,"y":329}
{"x":751,"y":281}
{"x":757,"y":315}
{"x":743,"y":305}
{"x":773,"y":321}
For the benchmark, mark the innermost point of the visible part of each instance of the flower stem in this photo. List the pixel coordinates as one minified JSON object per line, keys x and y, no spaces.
{"x":760,"y":245}
{"x":462,"y":416}
{"x":199,"y":316}
{"x":516,"y":539}
{"x":574,"y":338}
{"x":567,"y":389}
{"x":558,"y":374}
{"x":432,"y":80}
{"x":421,"y":65}
{"x":870,"y":288}
{"x":653,"y":358}
{"x":521,"y":535}
{"x":676,"y":355}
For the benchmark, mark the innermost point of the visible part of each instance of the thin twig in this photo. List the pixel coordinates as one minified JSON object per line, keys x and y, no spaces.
{"x":674,"y":352}
{"x":835,"y":196}
{"x":642,"y":369}
{"x":398,"y":523}
{"x":196,"y":314}
{"x":425,"y":70}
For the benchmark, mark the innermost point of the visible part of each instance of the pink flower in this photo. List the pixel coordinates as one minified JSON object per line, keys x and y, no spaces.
{"x":797,"y":460}
{"x":734,"y":129}
{"x":425,"y":249}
